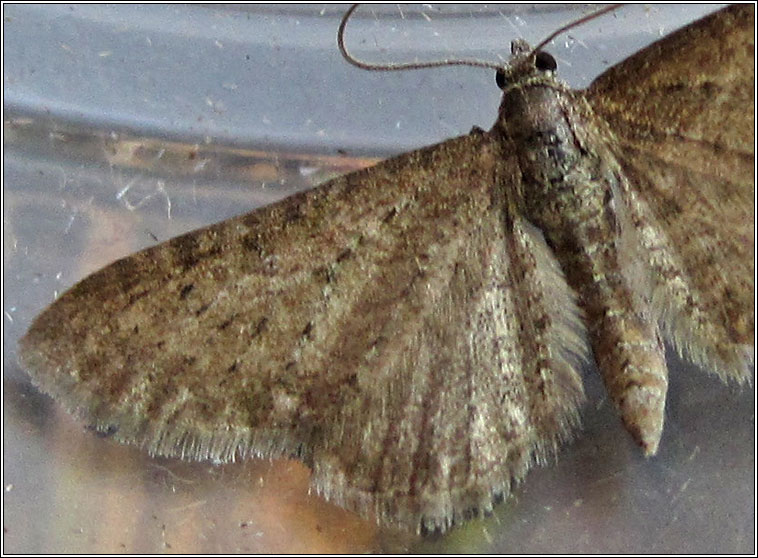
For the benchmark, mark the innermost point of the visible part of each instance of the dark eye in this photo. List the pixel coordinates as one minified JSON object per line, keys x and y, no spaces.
{"x":545,"y":62}
{"x":500,"y":78}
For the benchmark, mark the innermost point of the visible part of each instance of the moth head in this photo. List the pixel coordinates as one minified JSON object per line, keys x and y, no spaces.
{"x":525,"y":62}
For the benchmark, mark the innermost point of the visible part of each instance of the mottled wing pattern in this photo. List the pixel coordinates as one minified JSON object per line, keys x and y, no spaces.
{"x":475,"y":391}
{"x":412,"y":343}
{"x":686,"y":146}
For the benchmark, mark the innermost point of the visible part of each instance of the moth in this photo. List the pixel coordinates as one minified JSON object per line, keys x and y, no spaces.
{"x":414,"y":332}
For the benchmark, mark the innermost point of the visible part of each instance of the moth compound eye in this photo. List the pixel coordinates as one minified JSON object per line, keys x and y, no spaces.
{"x":500,"y":79}
{"x":545,"y":62}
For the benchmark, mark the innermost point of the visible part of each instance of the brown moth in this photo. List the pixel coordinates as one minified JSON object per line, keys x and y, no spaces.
{"x":414,"y":331}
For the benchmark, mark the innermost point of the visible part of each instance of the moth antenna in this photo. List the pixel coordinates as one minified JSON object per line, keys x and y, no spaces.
{"x":373,"y":67}
{"x":402,"y":66}
{"x":572,"y":24}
